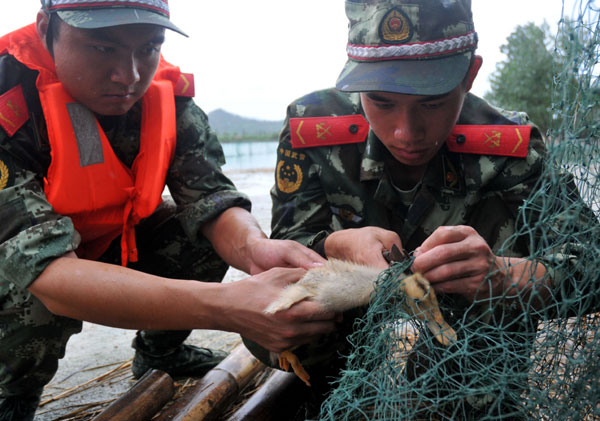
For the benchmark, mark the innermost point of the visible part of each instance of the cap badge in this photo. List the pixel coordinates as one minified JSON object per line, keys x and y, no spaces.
{"x":395,"y":27}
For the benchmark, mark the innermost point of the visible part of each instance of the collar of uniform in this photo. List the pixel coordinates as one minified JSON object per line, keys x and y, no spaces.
{"x":371,"y":166}
{"x":444,"y":173}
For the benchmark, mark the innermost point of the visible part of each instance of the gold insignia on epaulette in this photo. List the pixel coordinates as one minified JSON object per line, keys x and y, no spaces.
{"x":4,"y":174}
{"x":493,"y":139}
{"x":323,"y":131}
{"x":289,"y":177}
{"x":395,"y":27}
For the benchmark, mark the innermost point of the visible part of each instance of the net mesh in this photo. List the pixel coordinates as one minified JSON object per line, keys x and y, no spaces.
{"x":515,"y":358}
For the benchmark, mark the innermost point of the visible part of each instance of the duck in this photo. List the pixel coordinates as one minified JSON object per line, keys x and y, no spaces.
{"x":340,"y":285}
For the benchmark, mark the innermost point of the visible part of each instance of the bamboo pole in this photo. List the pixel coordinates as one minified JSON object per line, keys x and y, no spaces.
{"x":277,"y":399}
{"x":211,"y":395}
{"x":151,"y":392}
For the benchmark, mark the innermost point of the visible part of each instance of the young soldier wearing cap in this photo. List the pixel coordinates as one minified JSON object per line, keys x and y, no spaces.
{"x":402,"y":154}
{"x":94,"y":122}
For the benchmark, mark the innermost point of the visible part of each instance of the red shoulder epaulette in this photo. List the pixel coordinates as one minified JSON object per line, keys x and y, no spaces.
{"x":326,"y":131}
{"x":490,"y":140}
{"x":13,"y":110}
{"x":185,"y":86}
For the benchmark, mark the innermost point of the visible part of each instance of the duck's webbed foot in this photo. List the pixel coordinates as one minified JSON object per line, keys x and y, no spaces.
{"x":287,"y":358}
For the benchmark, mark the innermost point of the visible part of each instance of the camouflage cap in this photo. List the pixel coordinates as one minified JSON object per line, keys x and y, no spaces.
{"x":420,"y":47}
{"x":91,"y":14}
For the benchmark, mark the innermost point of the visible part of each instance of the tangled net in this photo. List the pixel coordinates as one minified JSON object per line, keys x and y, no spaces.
{"x":515,"y":358}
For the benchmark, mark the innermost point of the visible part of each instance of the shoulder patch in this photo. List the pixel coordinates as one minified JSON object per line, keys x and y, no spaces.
{"x":185,"y":86}
{"x":490,"y":140}
{"x":6,"y":172}
{"x":290,"y":171}
{"x":326,"y":131}
{"x":13,"y":110}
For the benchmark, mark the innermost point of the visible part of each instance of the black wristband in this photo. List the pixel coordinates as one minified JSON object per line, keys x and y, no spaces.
{"x":319,"y":247}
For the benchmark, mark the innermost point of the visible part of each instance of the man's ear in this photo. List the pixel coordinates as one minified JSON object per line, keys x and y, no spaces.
{"x":473,"y":70}
{"x":41,"y":22}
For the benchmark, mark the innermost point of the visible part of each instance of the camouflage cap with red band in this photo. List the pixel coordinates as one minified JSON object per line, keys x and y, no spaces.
{"x":420,"y":47}
{"x":91,"y":14}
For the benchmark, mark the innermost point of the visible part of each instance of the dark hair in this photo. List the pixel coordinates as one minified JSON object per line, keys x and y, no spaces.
{"x":52,"y":33}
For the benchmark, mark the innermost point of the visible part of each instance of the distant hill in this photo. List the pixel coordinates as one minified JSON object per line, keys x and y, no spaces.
{"x":231,"y":127}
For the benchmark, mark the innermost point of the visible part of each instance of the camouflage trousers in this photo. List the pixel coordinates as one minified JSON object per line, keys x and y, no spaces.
{"x":32,"y":339}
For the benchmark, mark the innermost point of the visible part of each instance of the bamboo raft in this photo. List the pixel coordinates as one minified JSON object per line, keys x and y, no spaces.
{"x":239,"y":388}
{"x":220,"y":395}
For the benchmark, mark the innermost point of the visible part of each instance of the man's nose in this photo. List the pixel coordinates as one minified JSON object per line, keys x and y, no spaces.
{"x":126,"y":71}
{"x":408,"y":125}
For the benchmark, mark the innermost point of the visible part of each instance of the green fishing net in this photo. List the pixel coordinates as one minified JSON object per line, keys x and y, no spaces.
{"x":515,"y":357}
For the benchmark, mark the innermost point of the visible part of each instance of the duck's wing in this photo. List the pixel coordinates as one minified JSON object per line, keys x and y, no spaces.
{"x":290,"y":295}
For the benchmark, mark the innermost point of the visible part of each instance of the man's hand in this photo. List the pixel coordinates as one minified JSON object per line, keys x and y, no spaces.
{"x":362,"y":245}
{"x":457,"y":259}
{"x":237,"y":237}
{"x":266,"y":254}
{"x":248,"y":298}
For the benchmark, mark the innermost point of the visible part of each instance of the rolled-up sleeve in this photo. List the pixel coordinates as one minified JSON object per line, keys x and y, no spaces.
{"x":31,"y":234}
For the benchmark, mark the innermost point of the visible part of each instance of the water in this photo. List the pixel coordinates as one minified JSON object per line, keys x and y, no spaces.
{"x":250,"y":155}
{"x":244,"y":156}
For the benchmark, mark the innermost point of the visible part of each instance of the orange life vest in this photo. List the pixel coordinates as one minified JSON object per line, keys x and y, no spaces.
{"x":86,"y":181}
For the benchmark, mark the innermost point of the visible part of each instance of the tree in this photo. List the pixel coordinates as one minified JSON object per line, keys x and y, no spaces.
{"x":577,"y":84}
{"x":524,"y":81}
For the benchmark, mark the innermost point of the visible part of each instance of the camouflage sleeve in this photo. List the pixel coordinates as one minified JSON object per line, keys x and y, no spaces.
{"x":502,"y":183}
{"x":514,"y":184}
{"x":300,"y":209}
{"x":195,"y":179}
{"x":554,"y":222}
{"x":563,"y":231}
{"x":31,"y":234}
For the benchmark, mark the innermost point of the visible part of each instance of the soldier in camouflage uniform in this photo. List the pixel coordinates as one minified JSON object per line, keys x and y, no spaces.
{"x":400,"y":153}
{"x":45,"y":290}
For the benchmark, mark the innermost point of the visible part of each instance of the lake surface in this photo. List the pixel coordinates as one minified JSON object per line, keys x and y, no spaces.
{"x":250,"y":155}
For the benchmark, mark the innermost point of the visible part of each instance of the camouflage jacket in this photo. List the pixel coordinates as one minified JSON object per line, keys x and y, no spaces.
{"x":319,"y":190}
{"x":32,"y":234}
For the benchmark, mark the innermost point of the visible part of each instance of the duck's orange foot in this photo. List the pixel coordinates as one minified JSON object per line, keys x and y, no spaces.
{"x":287,"y":358}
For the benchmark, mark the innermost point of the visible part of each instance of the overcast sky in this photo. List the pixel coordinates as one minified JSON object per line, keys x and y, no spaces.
{"x":252,"y":58}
